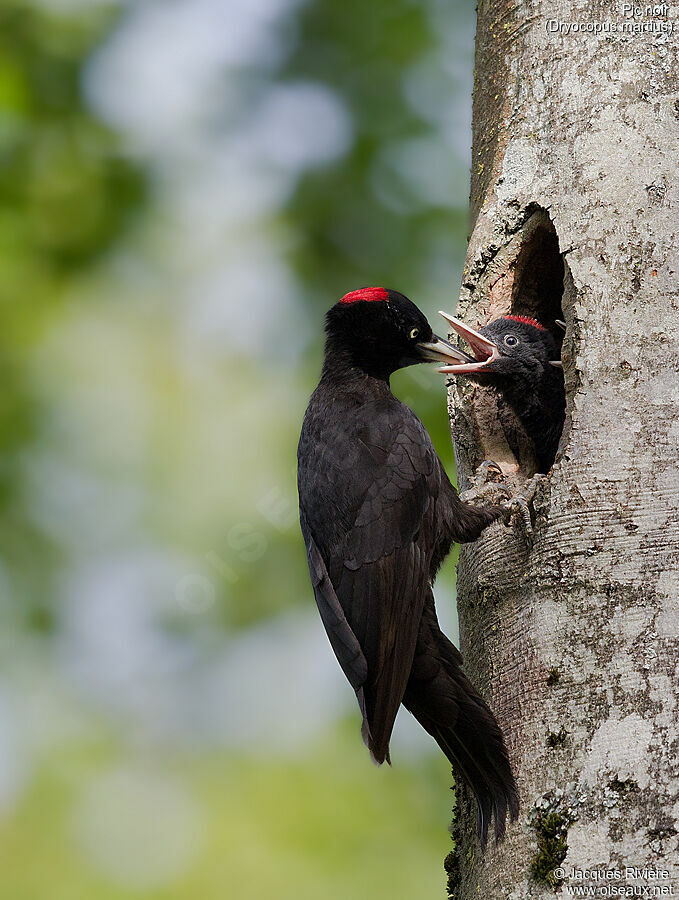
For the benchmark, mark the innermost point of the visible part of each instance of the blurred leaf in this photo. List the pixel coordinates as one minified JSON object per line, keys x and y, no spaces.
{"x":67,"y":194}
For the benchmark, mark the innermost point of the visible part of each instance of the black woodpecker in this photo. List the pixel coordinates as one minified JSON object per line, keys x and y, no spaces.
{"x":378,"y":516}
{"x":519,"y":357}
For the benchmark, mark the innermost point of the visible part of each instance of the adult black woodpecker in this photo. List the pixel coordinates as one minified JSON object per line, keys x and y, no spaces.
{"x":520,"y":358}
{"x":378,"y":516}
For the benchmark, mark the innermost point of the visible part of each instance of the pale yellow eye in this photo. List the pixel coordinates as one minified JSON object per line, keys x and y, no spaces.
{"x":414,"y":332}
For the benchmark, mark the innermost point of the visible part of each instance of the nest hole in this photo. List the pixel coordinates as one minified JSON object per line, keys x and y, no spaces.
{"x":538,"y":284}
{"x":534,"y":287}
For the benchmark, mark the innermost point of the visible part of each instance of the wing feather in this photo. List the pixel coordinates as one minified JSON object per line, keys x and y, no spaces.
{"x":375,"y":551}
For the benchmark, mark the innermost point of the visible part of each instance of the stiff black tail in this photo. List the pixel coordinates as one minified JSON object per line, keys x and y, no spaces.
{"x":446,"y":704}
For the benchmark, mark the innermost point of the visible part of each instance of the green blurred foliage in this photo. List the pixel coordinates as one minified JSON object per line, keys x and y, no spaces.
{"x":324,"y":824}
{"x":363,"y":220}
{"x":66,"y":190}
{"x":67,"y":193}
{"x":144,"y":446}
{"x":349,"y":235}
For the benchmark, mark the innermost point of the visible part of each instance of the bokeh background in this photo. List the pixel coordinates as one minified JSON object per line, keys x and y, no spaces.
{"x":185,"y":187}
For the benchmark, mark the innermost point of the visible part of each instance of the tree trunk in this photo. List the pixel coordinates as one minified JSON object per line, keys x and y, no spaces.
{"x":575,"y":641}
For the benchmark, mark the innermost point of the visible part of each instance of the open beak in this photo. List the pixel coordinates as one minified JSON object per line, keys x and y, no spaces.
{"x":439,"y":350}
{"x":485,"y":351}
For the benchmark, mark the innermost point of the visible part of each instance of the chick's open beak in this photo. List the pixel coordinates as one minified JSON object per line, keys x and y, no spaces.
{"x":485,"y":351}
{"x":439,"y":350}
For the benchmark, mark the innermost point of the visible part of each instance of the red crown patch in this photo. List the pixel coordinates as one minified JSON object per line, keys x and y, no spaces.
{"x":528,"y":321}
{"x":370,"y":294}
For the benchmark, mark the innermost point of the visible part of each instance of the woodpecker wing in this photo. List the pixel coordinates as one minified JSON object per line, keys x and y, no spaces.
{"x":368,"y":486}
{"x":343,"y":640}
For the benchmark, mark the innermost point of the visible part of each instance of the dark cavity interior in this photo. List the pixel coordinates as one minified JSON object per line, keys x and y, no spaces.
{"x":539,"y":278}
{"x":538,"y":289}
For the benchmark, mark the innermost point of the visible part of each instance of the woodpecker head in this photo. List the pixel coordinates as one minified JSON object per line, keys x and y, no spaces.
{"x":512,"y":349}
{"x":379,"y":331}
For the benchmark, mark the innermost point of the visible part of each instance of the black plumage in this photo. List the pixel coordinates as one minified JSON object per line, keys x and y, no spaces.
{"x":379,"y":515}
{"x":519,"y":357}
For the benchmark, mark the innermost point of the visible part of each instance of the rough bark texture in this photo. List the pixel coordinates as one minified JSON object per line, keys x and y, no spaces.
{"x":575,"y":642}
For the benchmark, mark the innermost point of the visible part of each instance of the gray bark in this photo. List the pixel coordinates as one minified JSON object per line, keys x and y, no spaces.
{"x":575,"y":642}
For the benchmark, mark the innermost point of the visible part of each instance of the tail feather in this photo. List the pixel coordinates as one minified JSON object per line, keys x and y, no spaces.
{"x":490,"y":779}
{"x":446,"y":704}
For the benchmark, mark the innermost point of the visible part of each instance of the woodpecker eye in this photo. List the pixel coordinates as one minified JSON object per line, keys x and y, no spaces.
{"x":414,"y":332}
{"x":510,"y":340}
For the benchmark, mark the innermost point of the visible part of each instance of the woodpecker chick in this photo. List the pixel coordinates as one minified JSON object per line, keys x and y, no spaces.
{"x":518,"y":356}
{"x":379,"y":515}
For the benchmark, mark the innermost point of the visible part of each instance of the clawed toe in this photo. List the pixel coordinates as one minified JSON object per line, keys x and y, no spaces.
{"x":486,"y":484}
{"x":488,"y":471}
{"x":491,"y":492}
{"x":520,"y":506}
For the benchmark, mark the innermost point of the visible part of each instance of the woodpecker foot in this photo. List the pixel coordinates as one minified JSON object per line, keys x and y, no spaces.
{"x":486,"y":485}
{"x":487,"y":472}
{"x":519,"y":507}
